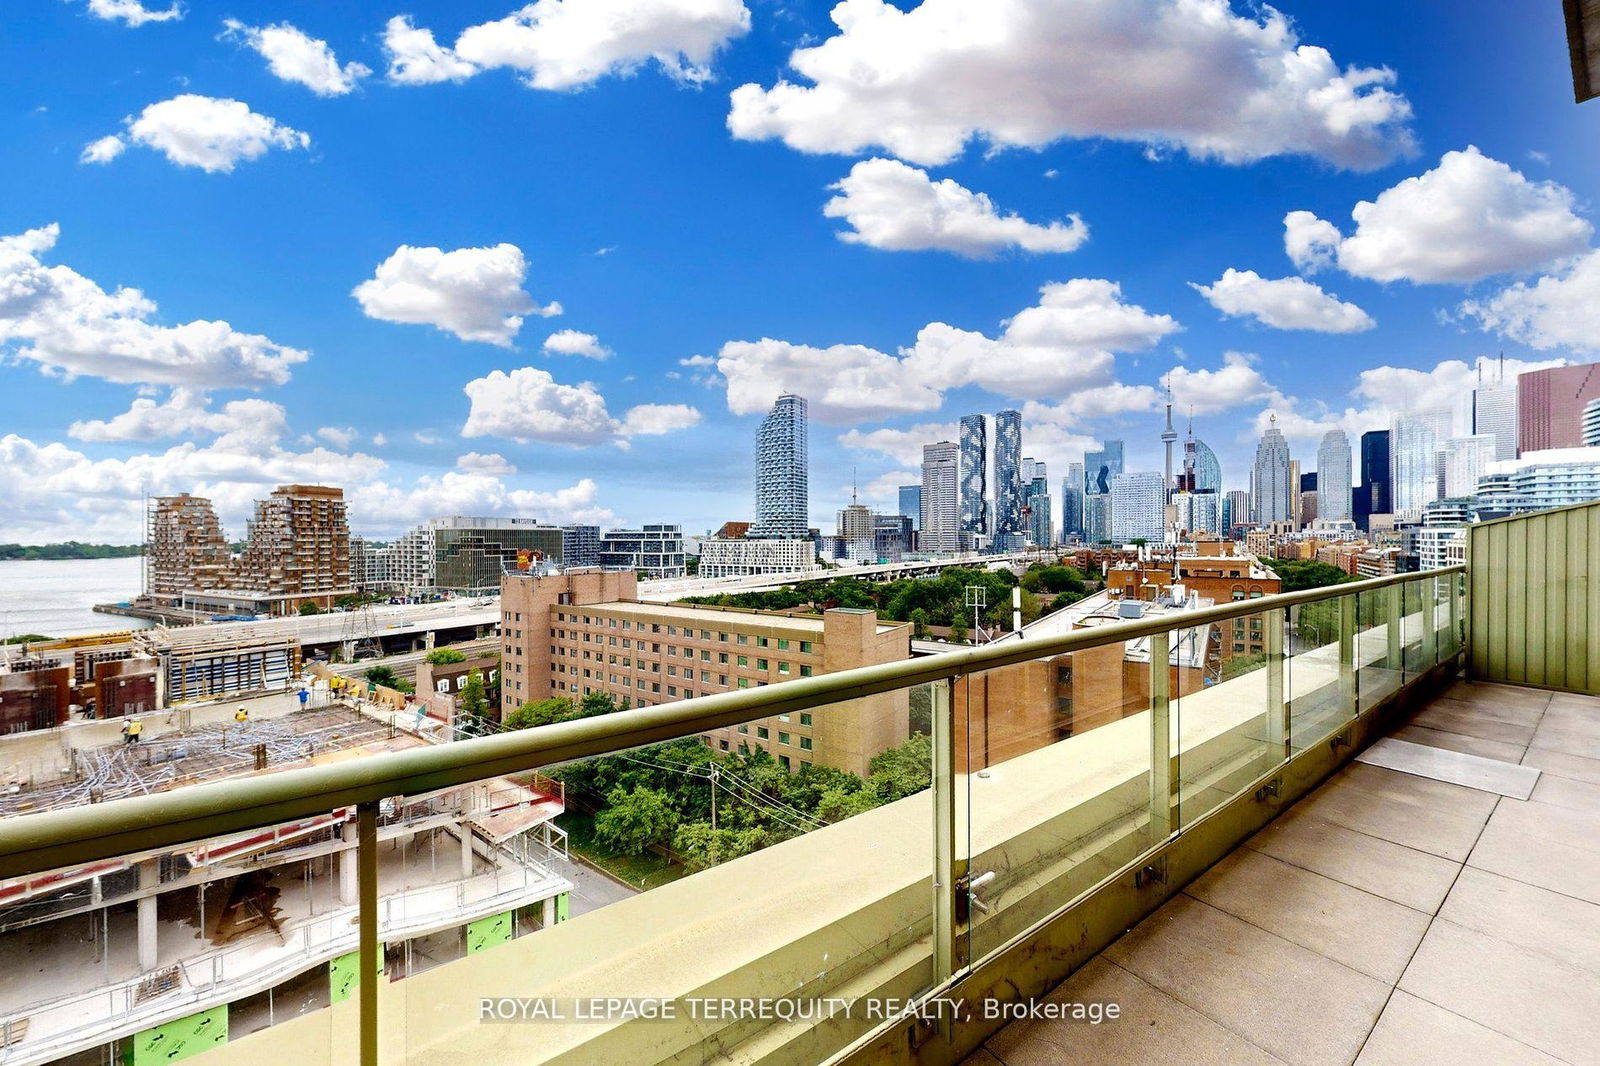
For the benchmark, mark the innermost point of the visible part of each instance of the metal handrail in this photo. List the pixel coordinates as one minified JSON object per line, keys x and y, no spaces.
{"x":72,"y":836}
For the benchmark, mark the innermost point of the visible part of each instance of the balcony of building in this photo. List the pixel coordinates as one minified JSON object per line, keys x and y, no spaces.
{"x":1374,"y":841}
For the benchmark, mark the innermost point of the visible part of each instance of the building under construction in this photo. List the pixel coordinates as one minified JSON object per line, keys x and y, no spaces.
{"x":184,"y":546}
{"x":132,"y":956}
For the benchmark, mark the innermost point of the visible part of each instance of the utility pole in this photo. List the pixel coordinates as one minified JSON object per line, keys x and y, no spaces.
{"x":714,"y":797}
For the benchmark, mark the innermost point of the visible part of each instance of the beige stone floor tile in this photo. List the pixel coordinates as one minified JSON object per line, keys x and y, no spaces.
{"x":1543,"y":1002}
{"x":1416,"y":879}
{"x":1397,"y":816}
{"x":1473,"y":723}
{"x":1527,"y":915}
{"x":1367,"y":933}
{"x":1560,"y":764}
{"x":1470,"y":745}
{"x":1414,"y":1032}
{"x":1150,"y":1025}
{"x":1565,"y":792}
{"x":1288,"y":1000}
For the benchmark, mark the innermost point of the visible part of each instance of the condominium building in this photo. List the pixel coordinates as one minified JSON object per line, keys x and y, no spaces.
{"x":1494,"y":411}
{"x":974,"y":479}
{"x":1550,"y":406}
{"x":1414,"y":441}
{"x":298,"y":546}
{"x":1235,"y":510}
{"x":584,"y":631}
{"x":1466,"y":459}
{"x":782,"y":493}
{"x":1334,"y":472}
{"x":1099,"y":467}
{"x":184,"y":546}
{"x":1008,"y":475}
{"x":654,"y":550}
{"x":739,"y":556}
{"x":1138,"y":508}
{"x":1591,"y":423}
{"x":941,"y":516}
{"x":1072,"y":502}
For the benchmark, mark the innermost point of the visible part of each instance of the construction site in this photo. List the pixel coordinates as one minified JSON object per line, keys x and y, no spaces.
{"x":121,"y":961}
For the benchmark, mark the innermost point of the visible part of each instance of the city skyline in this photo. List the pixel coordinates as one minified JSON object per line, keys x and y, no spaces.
{"x":480,"y":332}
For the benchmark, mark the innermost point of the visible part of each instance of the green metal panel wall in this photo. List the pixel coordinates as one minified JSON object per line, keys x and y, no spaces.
{"x":1535,"y":616}
{"x":180,"y":1039}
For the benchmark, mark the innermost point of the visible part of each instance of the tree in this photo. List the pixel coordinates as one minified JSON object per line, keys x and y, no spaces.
{"x":902,"y":771}
{"x":474,"y":706}
{"x":382,"y":676}
{"x":596,"y":703}
{"x":444,"y":657}
{"x":919,"y":624}
{"x":308,"y":608}
{"x":1298,"y":574}
{"x":544,"y":712}
{"x":958,"y":631}
{"x":635,"y":820}
{"x":702,"y":847}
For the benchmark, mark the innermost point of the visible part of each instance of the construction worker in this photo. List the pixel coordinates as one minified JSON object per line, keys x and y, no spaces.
{"x":241,"y":716}
{"x":131,"y":730}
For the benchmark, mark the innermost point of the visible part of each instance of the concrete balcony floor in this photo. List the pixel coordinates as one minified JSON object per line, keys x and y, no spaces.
{"x":1386,"y":919}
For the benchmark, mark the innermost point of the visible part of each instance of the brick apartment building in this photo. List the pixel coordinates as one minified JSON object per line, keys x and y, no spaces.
{"x":583,"y":631}
{"x":1215,"y":570}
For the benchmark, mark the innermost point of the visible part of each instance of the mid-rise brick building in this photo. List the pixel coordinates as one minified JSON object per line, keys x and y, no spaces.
{"x":583,"y":631}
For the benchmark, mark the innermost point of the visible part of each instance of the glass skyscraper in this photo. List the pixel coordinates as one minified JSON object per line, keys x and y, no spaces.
{"x":1099,"y":467}
{"x":783,"y":500}
{"x":1414,"y":442}
{"x":1333,"y":476}
{"x":911,"y":504}
{"x":1007,"y":473}
{"x":974,"y":475}
{"x":1271,"y":494}
{"x":941,"y":511}
{"x":1072,"y":501}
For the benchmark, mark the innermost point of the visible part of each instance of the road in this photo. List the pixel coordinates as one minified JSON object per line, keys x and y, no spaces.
{"x":405,"y":666}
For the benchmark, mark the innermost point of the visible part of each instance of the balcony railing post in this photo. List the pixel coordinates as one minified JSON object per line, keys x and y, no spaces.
{"x":1162,"y":778}
{"x":1347,"y":654}
{"x":1394,"y":629}
{"x":947,"y":869}
{"x":367,"y":917}
{"x":1456,"y":641}
{"x":1277,"y":704}
{"x":1429,"y":587}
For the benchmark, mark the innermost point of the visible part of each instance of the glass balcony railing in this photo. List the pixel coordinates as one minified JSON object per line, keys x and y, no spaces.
{"x":415,"y":906}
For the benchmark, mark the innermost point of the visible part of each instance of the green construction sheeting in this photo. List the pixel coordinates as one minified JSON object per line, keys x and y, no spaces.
{"x":487,"y":932}
{"x":180,"y":1039}
{"x":561,"y":908}
{"x":344,"y":973}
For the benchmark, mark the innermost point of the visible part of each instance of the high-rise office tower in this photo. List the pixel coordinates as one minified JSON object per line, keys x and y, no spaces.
{"x":1295,"y":488}
{"x":1494,"y":408}
{"x":1414,"y":462}
{"x":1334,"y":491}
{"x":1138,"y":506}
{"x":1072,"y":502}
{"x":1550,"y":406}
{"x":941,"y":511}
{"x":911,"y":504}
{"x":974,"y":476}
{"x":1235,"y":511}
{"x":1591,"y":423}
{"x":1373,"y":495}
{"x":1466,"y":459}
{"x":783,"y":500}
{"x":1007,"y":473}
{"x":1271,"y":495}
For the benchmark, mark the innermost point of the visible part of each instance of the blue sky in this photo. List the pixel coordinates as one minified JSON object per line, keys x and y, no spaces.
{"x":366,"y":233}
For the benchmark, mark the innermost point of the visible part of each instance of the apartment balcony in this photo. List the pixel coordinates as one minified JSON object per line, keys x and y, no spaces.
{"x":1373,"y":842}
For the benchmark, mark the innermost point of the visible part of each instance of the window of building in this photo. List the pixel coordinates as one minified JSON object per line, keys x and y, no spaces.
{"x":744,"y":729}
{"x":743,"y":639}
{"x":783,"y":668}
{"x":761,"y":642}
{"x":783,"y":760}
{"x":805,"y":718}
{"x":805,"y":743}
{"x":805,"y":645}
{"x":762,"y":732}
{"x":783,"y":738}
{"x":744,"y":682}
{"x":805,"y":671}
{"x":783,"y":644}
{"x":761,"y":664}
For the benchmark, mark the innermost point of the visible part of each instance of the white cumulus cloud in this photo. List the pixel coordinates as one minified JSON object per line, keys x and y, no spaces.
{"x":474,"y":293}
{"x":212,"y":134}
{"x":1469,"y":218}
{"x":528,"y":404}
{"x":187,"y":413}
{"x":68,"y":324}
{"x":415,"y":58}
{"x":491,"y":463}
{"x":293,"y":55}
{"x":1283,"y":303}
{"x":1187,"y":74}
{"x":898,"y":208}
{"x":103,"y":150}
{"x":561,"y":45}
{"x":1560,"y":310}
{"x":1064,"y":343}
{"x":573,"y":342}
{"x":133,"y":12}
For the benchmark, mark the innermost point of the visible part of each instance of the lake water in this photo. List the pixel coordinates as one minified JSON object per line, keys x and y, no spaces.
{"x":55,"y":597}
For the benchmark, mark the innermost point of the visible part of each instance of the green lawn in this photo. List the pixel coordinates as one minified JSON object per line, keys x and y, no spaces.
{"x":643,"y":871}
